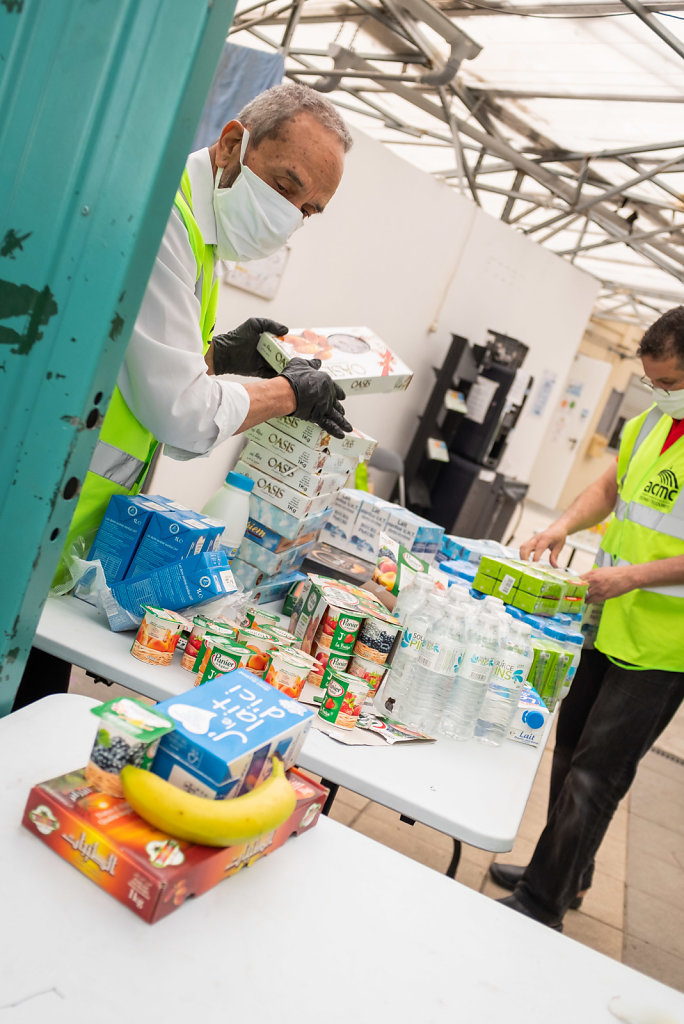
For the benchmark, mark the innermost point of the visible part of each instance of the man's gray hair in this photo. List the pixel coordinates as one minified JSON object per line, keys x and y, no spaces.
{"x":265,"y":114}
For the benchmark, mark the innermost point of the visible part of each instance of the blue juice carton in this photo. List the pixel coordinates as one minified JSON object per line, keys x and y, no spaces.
{"x":227,"y":731}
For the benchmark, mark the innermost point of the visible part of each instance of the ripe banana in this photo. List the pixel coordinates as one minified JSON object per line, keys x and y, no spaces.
{"x":210,"y":822}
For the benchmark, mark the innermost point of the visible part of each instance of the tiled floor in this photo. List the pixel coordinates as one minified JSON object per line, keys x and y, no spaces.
{"x":634,"y":911}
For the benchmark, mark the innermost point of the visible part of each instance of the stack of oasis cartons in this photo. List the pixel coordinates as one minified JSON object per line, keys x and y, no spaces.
{"x":297,"y":469}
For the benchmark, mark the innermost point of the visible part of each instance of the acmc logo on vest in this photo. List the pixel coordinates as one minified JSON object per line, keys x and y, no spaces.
{"x":662,"y":492}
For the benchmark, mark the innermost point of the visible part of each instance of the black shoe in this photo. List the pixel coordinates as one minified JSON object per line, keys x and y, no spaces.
{"x":513,"y":903}
{"x":508,"y":876}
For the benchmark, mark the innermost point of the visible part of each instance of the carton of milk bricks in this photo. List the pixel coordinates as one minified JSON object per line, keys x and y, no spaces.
{"x":121,"y":531}
{"x":227,"y":731}
{"x":355,"y":357}
{"x":172,"y":534}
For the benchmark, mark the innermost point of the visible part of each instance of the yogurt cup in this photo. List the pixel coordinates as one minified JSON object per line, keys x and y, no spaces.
{"x":288,"y":670}
{"x":260,"y":644}
{"x":222,"y":657}
{"x":343,"y":699}
{"x":339,"y":628}
{"x":129,"y":733}
{"x":376,"y":638}
{"x":199,"y":628}
{"x":369,"y":670}
{"x":258,"y":618}
{"x":157,"y":636}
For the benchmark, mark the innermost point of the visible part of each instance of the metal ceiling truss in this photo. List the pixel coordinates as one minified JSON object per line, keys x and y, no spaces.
{"x":415,"y":86}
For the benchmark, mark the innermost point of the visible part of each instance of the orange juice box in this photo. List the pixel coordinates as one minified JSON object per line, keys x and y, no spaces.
{"x":142,"y":867}
{"x":227,"y":731}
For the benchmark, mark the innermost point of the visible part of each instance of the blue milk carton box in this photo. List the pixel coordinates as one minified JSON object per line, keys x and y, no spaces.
{"x":182,"y":584}
{"x":172,"y":534}
{"x":227,"y":731}
{"x":121,"y":531}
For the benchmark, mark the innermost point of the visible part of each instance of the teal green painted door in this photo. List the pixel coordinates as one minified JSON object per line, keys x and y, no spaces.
{"x":99,"y":100}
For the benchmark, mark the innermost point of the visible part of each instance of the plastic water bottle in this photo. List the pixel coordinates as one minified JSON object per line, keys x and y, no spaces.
{"x":469,"y":687}
{"x":387,"y":700}
{"x":511,"y":667}
{"x":411,"y":598}
{"x":434,"y":670}
{"x":574,"y":642}
{"x":230,"y":505}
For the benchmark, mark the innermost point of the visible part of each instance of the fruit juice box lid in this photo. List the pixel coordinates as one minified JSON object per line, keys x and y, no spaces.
{"x":281,"y":522}
{"x":355,"y":357}
{"x":170,"y":536}
{"x":120,"y":532}
{"x":278,"y":493}
{"x":279,"y":466}
{"x":147,"y":870}
{"x":227,"y":731}
{"x":182,"y":584}
{"x":353,"y":444}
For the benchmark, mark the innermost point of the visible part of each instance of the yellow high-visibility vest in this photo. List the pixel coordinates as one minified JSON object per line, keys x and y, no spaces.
{"x":125,"y":447}
{"x":646,"y":627}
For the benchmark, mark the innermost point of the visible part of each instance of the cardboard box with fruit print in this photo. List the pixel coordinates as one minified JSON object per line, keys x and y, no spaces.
{"x":142,"y":867}
{"x":354,"y":356}
{"x":396,"y":565}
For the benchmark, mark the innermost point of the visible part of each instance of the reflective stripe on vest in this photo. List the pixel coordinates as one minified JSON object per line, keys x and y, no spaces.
{"x":671,"y":523}
{"x":669,"y":590}
{"x":115,"y":464}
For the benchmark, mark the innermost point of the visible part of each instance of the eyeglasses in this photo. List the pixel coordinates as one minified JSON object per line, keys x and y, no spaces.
{"x":649,"y":384}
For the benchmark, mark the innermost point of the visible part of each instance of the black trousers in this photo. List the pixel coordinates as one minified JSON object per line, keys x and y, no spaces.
{"x":44,"y":674}
{"x":609,"y":720}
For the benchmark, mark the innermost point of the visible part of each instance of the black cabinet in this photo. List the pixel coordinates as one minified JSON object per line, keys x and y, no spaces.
{"x":466,"y":494}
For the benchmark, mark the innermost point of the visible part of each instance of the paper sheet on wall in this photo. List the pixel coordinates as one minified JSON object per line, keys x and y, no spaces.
{"x":480,"y":398}
{"x":543,"y":392}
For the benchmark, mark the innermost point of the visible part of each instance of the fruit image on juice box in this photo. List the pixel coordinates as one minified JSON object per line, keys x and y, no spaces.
{"x":343,"y":699}
{"x":157,"y":636}
{"x":128,"y":733}
{"x":223,"y":657}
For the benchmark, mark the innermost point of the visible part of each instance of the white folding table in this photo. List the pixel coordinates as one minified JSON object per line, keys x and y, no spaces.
{"x":471,"y":792}
{"x":333,"y":926}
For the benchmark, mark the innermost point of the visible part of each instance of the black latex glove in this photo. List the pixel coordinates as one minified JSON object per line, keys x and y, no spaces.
{"x":317,"y":395}
{"x":236,"y":352}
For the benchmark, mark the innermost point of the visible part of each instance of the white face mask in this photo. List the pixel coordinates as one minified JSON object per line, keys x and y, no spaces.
{"x":671,"y":404}
{"x":252,"y":219}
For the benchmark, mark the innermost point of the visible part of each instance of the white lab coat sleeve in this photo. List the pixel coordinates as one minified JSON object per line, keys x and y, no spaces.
{"x":164,"y":379}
